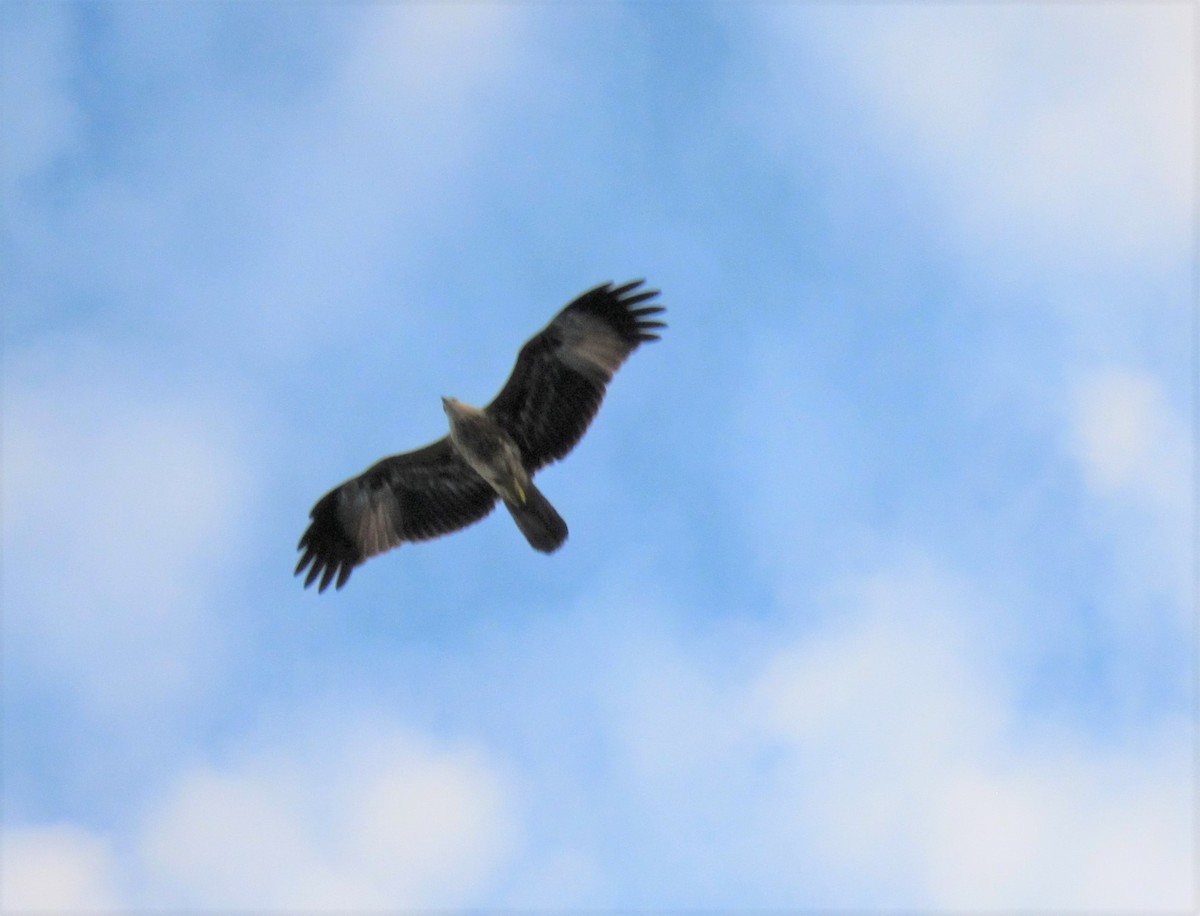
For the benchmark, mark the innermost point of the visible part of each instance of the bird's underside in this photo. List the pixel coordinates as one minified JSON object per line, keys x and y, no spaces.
{"x":539,"y":415}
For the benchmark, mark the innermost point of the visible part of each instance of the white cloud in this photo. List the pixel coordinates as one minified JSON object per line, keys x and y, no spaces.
{"x":59,"y":869}
{"x":1066,"y":132}
{"x":908,"y":765}
{"x":431,"y":58}
{"x":1060,"y":830}
{"x":331,"y":816}
{"x":1128,"y":442}
{"x":370,"y":818}
{"x":121,"y":500}
{"x":1133,"y":452}
{"x":1072,"y":127}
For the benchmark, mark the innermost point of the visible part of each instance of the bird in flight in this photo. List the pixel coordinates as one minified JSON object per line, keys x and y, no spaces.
{"x":492,"y":452}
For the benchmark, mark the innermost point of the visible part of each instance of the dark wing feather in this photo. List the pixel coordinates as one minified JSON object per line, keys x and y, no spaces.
{"x":561,"y":373}
{"x":411,"y":497}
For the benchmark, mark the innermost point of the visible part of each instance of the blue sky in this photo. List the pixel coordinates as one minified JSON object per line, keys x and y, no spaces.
{"x":879,"y":590}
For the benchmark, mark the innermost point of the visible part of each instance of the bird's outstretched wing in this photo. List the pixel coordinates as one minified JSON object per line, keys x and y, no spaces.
{"x":561,"y":373}
{"x":410,"y":497}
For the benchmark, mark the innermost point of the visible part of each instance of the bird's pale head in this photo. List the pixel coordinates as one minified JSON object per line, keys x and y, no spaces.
{"x":456,"y":409}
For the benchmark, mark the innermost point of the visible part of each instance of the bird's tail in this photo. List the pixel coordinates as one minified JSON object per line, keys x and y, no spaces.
{"x":542,"y":526}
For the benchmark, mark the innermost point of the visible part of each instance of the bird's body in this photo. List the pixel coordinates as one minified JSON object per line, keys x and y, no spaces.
{"x":487,"y":448}
{"x":493,"y":455}
{"x":539,"y":415}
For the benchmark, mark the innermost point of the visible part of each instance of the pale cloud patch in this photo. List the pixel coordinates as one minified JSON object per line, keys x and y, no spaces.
{"x":871,"y":713}
{"x":432,"y":57}
{"x":1133,"y":452}
{"x":58,"y":869}
{"x":122,"y":501}
{"x":1068,"y":126}
{"x":1128,"y":441}
{"x":374,"y":818}
{"x":906,"y":766}
{"x":1066,"y":131}
{"x":1059,"y":828}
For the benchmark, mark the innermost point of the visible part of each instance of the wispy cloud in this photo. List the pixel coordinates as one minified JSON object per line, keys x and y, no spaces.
{"x":122,"y":498}
{"x":1056,"y":131}
{"x":350,"y":817}
{"x":1133,"y":453}
{"x":345,"y":816}
{"x":1129,"y":441}
{"x":904,"y":743}
{"x":58,"y":869}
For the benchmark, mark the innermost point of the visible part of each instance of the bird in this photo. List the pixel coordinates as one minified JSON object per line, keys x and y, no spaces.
{"x":491,"y":453}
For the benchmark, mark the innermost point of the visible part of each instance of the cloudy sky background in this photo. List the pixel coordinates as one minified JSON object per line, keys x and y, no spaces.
{"x":879,"y":589}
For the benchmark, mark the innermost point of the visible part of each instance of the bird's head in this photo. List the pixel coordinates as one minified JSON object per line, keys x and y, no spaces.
{"x":456,"y":409}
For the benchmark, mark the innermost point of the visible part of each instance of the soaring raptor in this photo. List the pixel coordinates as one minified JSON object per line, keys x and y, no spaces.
{"x":539,"y":415}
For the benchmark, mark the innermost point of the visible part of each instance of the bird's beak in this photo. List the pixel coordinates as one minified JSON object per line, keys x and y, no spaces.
{"x":448,"y":405}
